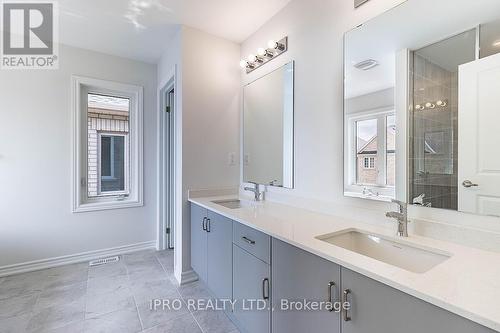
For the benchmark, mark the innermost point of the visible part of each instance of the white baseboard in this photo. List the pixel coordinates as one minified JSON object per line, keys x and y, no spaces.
{"x":74,"y":258}
{"x":188,"y":277}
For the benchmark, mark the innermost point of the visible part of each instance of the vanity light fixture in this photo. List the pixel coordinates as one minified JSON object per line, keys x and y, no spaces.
{"x":274,"y":49}
{"x":431,"y":105}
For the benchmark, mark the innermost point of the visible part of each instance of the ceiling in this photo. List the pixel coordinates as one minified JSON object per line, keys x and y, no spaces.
{"x":414,"y":24}
{"x":141,"y":29}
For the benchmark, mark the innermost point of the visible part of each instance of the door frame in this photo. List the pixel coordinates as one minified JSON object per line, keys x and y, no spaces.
{"x":166,"y":171}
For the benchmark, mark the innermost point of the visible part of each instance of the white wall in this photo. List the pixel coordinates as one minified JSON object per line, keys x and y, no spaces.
{"x":35,"y":162}
{"x":209,"y":89}
{"x":315,"y":29}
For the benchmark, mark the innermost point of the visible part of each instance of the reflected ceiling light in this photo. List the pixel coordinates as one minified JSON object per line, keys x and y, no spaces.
{"x":366,"y":64}
{"x":430,"y":105}
{"x":275,"y":48}
{"x":496,"y":43}
{"x":441,"y":103}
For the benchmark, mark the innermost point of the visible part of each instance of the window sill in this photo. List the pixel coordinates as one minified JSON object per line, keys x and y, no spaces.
{"x":107,"y":205}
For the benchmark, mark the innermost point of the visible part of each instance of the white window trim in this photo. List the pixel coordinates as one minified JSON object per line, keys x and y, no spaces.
{"x":382,"y":192}
{"x":126,"y":191}
{"x":81,"y":86}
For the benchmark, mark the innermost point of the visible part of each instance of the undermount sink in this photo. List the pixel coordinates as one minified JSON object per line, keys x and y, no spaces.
{"x":410,"y":258}
{"x":232,"y":203}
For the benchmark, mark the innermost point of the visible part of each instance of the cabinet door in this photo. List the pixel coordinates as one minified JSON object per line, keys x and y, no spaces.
{"x":378,"y":308}
{"x":299,"y":275}
{"x":220,"y":259}
{"x":250,"y":282}
{"x":198,"y":241}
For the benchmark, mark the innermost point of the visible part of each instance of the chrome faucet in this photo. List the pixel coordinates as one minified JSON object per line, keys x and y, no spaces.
{"x":255,"y":190}
{"x":401,"y":217}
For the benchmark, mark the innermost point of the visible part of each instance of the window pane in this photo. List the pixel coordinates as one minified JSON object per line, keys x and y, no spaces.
{"x":106,"y":156}
{"x":366,"y":145}
{"x":112,"y":164}
{"x":391,"y":151}
{"x":108,"y":123}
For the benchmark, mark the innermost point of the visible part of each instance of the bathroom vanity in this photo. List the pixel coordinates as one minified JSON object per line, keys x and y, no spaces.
{"x":245,"y":250}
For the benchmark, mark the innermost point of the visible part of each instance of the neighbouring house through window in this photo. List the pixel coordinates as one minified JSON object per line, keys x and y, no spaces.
{"x":372,"y":152}
{"x":108,"y":148}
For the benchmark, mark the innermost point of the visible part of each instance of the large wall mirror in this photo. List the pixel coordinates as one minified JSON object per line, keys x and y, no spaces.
{"x":268,"y":129}
{"x":422,"y":96}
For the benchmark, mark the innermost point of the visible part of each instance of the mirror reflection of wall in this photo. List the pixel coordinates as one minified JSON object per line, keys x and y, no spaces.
{"x":268,"y":129}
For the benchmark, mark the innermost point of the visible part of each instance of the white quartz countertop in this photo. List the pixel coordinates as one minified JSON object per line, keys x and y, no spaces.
{"x":467,"y":284}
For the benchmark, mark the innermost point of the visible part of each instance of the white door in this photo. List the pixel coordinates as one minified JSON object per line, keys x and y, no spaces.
{"x":479,"y":136}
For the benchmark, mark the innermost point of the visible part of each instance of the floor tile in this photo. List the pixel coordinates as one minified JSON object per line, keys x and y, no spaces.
{"x":137,"y":257}
{"x":181,"y":324}
{"x":107,"y":284}
{"x":56,"y":316}
{"x":99,"y":304}
{"x":17,"y":306}
{"x":60,"y":296}
{"x":166,"y":259}
{"x":66,"y":275}
{"x":212,"y":321}
{"x":76,"y":327}
{"x":112,"y":269}
{"x":14,"y":324}
{"x":123,"y":321}
{"x":144,"y":291}
{"x":20,"y":284}
{"x":173,"y":306}
{"x":194,"y":290}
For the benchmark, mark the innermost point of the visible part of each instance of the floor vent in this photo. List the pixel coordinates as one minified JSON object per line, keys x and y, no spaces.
{"x":104,"y":261}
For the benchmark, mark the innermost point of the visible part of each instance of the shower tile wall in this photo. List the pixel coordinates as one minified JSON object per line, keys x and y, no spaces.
{"x":434,"y":149}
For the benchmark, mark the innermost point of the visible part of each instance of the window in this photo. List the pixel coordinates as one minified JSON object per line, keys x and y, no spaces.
{"x":371,"y":152}
{"x":369,"y":163}
{"x":107,"y":145}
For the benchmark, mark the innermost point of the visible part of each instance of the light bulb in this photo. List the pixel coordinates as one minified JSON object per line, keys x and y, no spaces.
{"x":261,"y":51}
{"x":252,"y":58}
{"x":243,"y":63}
{"x":272,"y":44}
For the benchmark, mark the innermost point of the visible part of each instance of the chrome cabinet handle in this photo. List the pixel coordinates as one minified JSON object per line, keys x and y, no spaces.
{"x":248,"y":240}
{"x":265,"y":288}
{"x":468,"y":183}
{"x":209,"y":226}
{"x":204,"y":224}
{"x":331,"y":284}
{"x":346,"y":314}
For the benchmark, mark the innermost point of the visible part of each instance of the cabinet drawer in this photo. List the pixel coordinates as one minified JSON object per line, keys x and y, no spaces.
{"x":253,"y":241}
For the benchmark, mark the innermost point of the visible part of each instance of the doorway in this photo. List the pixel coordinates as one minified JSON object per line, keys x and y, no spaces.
{"x":166,"y":158}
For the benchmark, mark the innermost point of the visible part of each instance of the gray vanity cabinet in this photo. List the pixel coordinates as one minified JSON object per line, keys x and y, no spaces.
{"x":299,"y":275}
{"x":219,"y":255}
{"x":251,"y":282}
{"x":199,"y":241}
{"x":378,"y":308}
{"x":211,"y":250}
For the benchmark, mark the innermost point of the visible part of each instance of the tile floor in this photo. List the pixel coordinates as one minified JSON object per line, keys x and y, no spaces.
{"x":110,"y":298}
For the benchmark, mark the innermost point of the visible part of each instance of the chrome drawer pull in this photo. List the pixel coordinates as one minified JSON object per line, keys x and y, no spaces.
{"x":346,"y":314}
{"x":265,"y":288}
{"x":331,"y":284}
{"x":209,"y":227}
{"x":203,"y":224}
{"x":248,"y":240}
